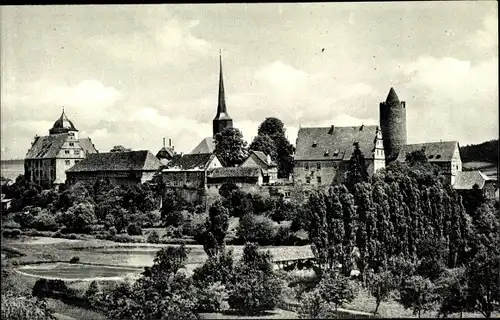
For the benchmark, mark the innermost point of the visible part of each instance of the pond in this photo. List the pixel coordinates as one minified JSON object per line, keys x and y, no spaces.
{"x":84,"y":272}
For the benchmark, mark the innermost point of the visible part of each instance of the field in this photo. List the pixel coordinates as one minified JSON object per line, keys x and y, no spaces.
{"x":106,"y":260}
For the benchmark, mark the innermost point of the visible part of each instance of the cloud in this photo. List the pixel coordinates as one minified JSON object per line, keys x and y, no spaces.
{"x":171,"y":43}
{"x":486,"y":38}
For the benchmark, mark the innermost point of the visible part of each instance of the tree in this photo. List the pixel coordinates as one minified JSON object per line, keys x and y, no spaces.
{"x":265,"y":144}
{"x":356,"y":171}
{"x":259,"y":229}
{"x":216,"y":229}
{"x":120,"y":148}
{"x":254,"y":287}
{"x":336,"y":289}
{"x":416,"y":157}
{"x":274,"y":129}
{"x":20,"y":307}
{"x":483,"y":278}
{"x":452,"y":291}
{"x":418,"y":294}
{"x":230,"y":147}
{"x":79,"y":218}
{"x":380,"y":286}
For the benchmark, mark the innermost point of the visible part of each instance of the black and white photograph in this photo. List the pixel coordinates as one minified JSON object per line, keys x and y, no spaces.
{"x":312,"y":160}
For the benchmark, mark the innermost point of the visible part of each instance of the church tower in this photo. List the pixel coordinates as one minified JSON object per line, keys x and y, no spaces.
{"x":393,"y":124}
{"x":222,"y":120}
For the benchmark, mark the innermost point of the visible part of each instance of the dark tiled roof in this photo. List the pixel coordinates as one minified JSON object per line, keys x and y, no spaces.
{"x":62,"y":125}
{"x":46,"y":146}
{"x":235,"y":172}
{"x":206,"y":145}
{"x":334,"y":143}
{"x":392,"y":96}
{"x":435,"y":151}
{"x":465,"y":180}
{"x":190,"y":161}
{"x":142,"y":160}
{"x":263,"y":157}
{"x":165,"y":153}
{"x":87,"y":145}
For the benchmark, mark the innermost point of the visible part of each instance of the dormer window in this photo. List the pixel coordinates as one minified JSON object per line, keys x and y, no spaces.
{"x":438,"y":156}
{"x":327,"y":153}
{"x":431,"y":156}
{"x":315,"y":144}
{"x":336,"y":152}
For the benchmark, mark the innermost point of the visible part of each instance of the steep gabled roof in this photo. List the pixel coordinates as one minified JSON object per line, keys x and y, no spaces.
{"x":334,"y":143}
{"x":392,"y":96}
{"x":46,"y":146}
{"x":206,"y":145}
{"x":87,"y":145}
{"x":198,"y":161}
{"x":262,"y":158}
{"x":165,"y":153}
{"x":235,"y":172}
{"x":142,"y":160}
{"x":465,"y":180}
{"x":435,"y":151}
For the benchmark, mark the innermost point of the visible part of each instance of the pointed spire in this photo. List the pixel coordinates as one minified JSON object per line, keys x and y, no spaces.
{"x":221,"y":107}
{"x":392,"y":96}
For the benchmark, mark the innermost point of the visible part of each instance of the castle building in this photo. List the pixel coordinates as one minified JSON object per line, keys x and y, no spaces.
{"x":123,"y":168}
{"x":393,"y":124}
{"x":445,"y":155}
{"x":50,"y":156}
{"x":260,"y":160}
{"x":221,"y":121}
{"x":323,"y":153}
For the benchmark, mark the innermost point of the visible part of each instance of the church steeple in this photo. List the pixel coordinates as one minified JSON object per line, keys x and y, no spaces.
{"x":222,"y":119}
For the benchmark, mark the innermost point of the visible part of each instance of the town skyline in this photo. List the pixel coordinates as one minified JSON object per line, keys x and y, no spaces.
{"x":132,"y":75}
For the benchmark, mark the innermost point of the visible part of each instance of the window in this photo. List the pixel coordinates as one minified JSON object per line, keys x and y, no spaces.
{"x":68,"y":162}
{"x":77,"y":152}
{"x":175,"y":183}
{"x":76,"y":161}
{"x":327,"y":153}
{"x":315,"y":143}
{"x":306,"y":165}
{"x":438,"y":156}
{"x":318,"y":165}
{"x":71,"y":144}
{"x":318,"y":179}
{"x":66,"y":151}
{"x":431,"y":156}
{"x":308,"y":180}
{"x":336,"y":152}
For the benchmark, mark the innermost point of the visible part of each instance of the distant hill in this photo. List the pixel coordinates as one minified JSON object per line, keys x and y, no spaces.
{"x":483,"y":152}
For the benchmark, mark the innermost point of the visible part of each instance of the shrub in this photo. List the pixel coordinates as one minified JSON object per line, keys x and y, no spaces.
{"x":174,"y":218}
{"x":14,"y":233}
{"x":74,"y":259}
{"x":112,"y":231}
{"x":79,"y":218}
{"x":24,"y":308}
{"x":212,"y":298}
{"x":45,"y":221}
{"x":313,"y":306}
{"x":133,"y":229}
{"x":92,"y":290}
{"x":153,"y":237}
{"x":336,"y":289}
{"x":258,"y":229}
{"x":45,"y":288}
{"x":215,"y":269}
{"x":57,"y":234}
{"x":24,"y":219}
{"x":72,"y":236}
{"x":123,"y":238}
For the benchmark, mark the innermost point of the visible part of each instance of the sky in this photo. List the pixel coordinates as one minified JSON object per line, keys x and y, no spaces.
{"x":133,"y":74}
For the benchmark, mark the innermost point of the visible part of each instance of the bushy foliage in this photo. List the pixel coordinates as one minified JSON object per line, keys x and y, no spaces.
{"x":230,"y":147}
{"x":312,"y":306}
{"x":11,"y":233}
{"x":336,"y":289}
{"x":452,"y":289}
{"x":215,"y":269}
{"x":215,"y":228}
{"x":18,"y":307}
{"x":213,"y":298}
{"x":79,"y":218}
{"x":381,"y":285}
{"x":134,"y":229}
{"x":254,"y":288}
{"x":153,"y":237}
{"x":48,"y":288}
{"x":418,"y":294}
{"x":45,"y":221}
{"x":259,"y":229}
{"x":161,"y":292}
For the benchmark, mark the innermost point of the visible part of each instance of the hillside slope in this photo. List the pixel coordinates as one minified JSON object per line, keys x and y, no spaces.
{"x":483,"y":152}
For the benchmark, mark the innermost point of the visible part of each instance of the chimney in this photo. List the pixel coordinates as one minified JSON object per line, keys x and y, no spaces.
{"x":163,"y":141}
{"x":169,"y":142}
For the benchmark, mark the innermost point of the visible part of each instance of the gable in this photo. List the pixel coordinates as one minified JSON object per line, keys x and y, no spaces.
{"x":206,"y":145}
{"x":435,"y":151}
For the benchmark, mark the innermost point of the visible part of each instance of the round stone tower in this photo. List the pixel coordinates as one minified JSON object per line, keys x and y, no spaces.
{"x":393,"y":124}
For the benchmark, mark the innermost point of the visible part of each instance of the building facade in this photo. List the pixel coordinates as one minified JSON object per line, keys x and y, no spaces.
{"x":123,"y":168}
{"x":50,"y":156}
{"x":323,"y":153}
{"x":260,"y":160}
{"x":445,"y":155}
